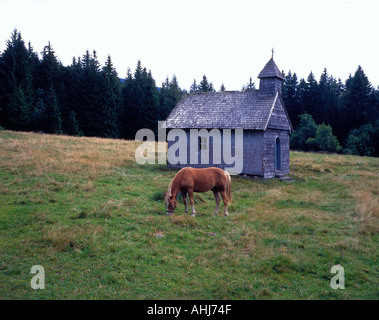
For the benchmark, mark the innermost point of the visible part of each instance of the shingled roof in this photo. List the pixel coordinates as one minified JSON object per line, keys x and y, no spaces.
{"x":270,"y":70}
{"x":223,"y":110}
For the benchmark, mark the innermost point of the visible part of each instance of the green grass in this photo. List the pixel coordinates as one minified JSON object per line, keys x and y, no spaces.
{"x":95,"y":220}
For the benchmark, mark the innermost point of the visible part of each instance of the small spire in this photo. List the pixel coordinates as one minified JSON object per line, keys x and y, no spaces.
{"x":272,"y":53}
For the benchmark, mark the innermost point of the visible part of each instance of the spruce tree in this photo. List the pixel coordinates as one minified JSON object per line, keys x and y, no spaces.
{"x":309,"y":95}
{"x":250,"y":86}
{"x":73,"y":100}
{"x":140,"y":102}
{"x":194,"y":87}
{"x":39,"y":110}
{"x":52,"y":118}
{"x":72,"y":126}
{"x":169,"y":95}
{"x":48,"y":69}
{"x":358,"y":101}
{"x":19,"y":110}
{"x":50,"y":93}
{"x":205,"y":86}
{"x":328,"y":110}
{"x":110,"y":91}
{"x":291,"y":97}
{"x":16,"y":84}
{"x":89,"y":109}
{"x":150,"y":102}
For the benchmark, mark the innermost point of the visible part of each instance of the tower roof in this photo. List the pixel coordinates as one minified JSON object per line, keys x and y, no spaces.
{"x":271,"y":70}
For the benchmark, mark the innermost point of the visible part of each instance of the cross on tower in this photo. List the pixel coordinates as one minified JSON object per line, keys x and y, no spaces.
{"x":272,"y":55}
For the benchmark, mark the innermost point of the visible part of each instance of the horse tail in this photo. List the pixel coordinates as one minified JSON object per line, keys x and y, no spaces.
{"x":229,"y":186}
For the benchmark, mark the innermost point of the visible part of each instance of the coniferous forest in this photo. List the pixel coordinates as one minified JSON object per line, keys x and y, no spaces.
{"x":38,"y":93}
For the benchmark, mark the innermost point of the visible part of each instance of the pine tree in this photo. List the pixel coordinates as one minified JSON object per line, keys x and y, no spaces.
{"x":88,"y":111}
{"x":301,"y":93}
{"x":169,"y":95}
{"x":250,"y":86}
{"x":140,"y":102}
{"x":52,"y":118}
{"x":72,"y":77}
{"x":19,"y":110}
{"x":33,"y":64}
{"x":150,"y":103}
{"x":110,"y":101}
{"x":72,"y":126}
{"x":328,"y":110}
{"x":194,"y":87}
{"x":358,"y":101}
{"x":174,"y":89}
{"x":49,"y":74}
{"x":205,"y":86}
{"x":48,"y":69}
{"x":222,"y":88}
{"x":16,"y":84}
{"x":39,"y":110}
{"x":309,"y":95}
{"x":291,"y":97}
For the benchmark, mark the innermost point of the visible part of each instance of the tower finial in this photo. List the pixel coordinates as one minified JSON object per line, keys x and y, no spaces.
{"x":272,"y":53}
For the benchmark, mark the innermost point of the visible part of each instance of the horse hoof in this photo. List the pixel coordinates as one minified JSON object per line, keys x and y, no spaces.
{"x":193,"y":214}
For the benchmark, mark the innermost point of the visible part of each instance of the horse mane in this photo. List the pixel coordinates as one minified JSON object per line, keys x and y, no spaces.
{"x":169,"y":193}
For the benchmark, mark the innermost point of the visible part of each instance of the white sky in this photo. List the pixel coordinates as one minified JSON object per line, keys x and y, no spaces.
{"x":229,"y":41}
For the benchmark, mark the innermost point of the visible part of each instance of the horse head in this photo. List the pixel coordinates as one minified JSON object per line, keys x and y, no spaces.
{"x":170,"y":203}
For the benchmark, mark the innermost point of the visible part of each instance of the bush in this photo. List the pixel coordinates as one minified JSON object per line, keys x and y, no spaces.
{"x":360,"y":141}
{"x":306,"y":129}
{"x":324,"y":139}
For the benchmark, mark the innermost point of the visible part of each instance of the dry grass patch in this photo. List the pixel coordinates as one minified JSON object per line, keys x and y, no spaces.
{"x":367,"y":211}
{"x":42,"y":154}
{"x":184,"y":220}
{"x":65,"y":237}
{"x":367,"y":204}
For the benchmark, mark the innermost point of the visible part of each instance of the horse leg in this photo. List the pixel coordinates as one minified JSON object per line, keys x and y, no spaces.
{"x":217,"y":198}
{"x":225,"y":201}
{"x":192,"y":203}
{"x":185,"y":201}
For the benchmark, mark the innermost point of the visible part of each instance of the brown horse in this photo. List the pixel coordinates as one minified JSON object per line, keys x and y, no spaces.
{"x":190,"y":180}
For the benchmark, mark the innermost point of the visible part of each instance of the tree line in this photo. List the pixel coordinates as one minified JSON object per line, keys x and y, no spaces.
{"x":38,"y":93}
{"x":330,"y":115}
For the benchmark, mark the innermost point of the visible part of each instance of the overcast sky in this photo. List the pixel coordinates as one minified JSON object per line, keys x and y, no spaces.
{"x":229,"y":41}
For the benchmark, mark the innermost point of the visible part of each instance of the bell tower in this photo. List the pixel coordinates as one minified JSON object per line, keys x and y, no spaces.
{"x":270,"y":78}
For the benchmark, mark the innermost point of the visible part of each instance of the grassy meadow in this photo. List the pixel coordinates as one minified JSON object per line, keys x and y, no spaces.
{"x":95,"y":220}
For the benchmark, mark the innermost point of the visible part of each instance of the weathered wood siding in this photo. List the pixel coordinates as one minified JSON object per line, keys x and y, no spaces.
{"x":270,"y":86}
{"x":258,"y":147}
{"x":252,"y":153}
{"x":278,"y":127}
{"x":278,"y":119}
{"x":269,"y":140}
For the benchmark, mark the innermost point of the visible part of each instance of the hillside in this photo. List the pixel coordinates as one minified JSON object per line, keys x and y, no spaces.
{"x":95,"y":220}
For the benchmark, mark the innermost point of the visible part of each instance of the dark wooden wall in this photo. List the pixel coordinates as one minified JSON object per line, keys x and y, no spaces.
{"x":258,"y":148}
